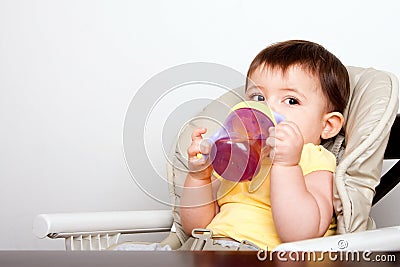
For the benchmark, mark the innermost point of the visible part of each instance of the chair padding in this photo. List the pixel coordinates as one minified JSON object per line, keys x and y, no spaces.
{"x":369,"y":116}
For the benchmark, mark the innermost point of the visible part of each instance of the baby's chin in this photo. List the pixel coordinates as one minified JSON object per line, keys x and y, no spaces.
{"x":315,"y":142}
{"x":312,"y":140}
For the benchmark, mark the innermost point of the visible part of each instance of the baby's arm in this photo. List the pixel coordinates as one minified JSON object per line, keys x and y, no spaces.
{"x":301,"y":205}
{"x":198,"y":205}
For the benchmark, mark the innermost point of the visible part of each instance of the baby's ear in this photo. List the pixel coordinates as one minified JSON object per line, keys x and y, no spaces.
{"x":333,"y":123}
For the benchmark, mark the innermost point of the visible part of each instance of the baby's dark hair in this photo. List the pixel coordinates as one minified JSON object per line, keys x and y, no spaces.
{"x":314,"y":58}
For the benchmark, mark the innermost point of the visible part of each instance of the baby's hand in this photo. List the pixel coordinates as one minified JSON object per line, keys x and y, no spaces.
{"x":286,"y":142}
{"x":198,"y":152}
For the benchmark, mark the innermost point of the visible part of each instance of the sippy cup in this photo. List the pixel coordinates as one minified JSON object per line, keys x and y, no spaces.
{"x":236,"y":148}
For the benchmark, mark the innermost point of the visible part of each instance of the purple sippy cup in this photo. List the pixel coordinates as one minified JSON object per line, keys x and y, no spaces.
{"x":236,"y":148}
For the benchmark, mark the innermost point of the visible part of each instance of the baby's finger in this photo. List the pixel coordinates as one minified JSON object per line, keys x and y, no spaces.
{"x":198,"y":164}
{"x":196,"y":135}
{"x":205,"y":146}
{"x":194,"y":149}
{"x":272,"y":154}
{"x":284,"y":130}
{"x":270,"y":141}
{"x":294,"y":127}
{"x":271,"y":131}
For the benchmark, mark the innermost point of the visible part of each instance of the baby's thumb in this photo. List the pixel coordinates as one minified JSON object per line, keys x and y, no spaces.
{"x":205,"y":146}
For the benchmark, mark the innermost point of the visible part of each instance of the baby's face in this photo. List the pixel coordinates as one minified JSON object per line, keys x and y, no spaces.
{"x":297,"y":95}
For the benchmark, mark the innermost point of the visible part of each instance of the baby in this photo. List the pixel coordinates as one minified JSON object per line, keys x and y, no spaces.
{"x":309,"y":86}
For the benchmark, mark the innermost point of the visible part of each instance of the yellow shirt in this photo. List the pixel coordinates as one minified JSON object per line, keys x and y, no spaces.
{"x":245,"y":207}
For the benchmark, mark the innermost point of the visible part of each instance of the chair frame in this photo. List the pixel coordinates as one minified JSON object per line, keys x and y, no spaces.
{"x":392,"y":177}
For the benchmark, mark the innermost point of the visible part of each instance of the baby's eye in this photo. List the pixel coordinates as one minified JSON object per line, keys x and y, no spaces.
{"x":257,"y":98}
{"x":291,"y":101}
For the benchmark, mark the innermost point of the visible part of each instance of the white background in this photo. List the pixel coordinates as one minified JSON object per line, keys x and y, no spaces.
{"x":69,"y":69}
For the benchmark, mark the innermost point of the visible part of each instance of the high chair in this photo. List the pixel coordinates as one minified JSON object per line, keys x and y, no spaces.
{"x":369,"y":119}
